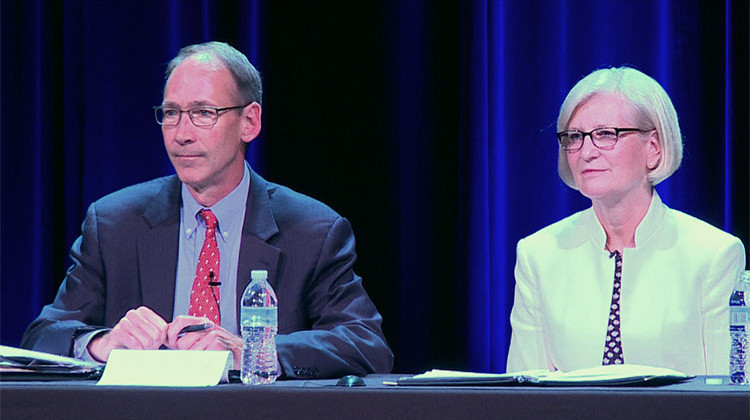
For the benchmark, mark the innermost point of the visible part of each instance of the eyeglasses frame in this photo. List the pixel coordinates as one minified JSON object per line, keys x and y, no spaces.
{"x":218,"y":110}
{"x":618,"y":130}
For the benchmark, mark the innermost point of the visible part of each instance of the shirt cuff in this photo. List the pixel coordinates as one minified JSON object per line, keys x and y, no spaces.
{"x":81,"y":345}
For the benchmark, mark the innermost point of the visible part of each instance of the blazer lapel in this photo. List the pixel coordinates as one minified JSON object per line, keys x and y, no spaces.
{"x":157,"y":250}
{"x":259,"y":226}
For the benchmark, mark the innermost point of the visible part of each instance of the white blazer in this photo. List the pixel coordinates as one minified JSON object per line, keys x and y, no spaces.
{"x":674,"y":303}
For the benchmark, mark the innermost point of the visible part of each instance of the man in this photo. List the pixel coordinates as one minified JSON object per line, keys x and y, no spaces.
{"x":145,"y":265}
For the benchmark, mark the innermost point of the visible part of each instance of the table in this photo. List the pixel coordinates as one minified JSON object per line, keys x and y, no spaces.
{"x":322,"y":399}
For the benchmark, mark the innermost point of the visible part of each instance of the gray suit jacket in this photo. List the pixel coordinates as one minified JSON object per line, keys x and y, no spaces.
{"x":127,"y":257}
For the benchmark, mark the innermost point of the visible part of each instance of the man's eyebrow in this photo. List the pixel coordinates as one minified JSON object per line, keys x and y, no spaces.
{"x":191,"y":104}
{"x":200,"y":103}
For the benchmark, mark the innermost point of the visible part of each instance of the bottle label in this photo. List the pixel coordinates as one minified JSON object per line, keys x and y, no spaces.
{"x":258,"y":317}
{"x":739,"y":316}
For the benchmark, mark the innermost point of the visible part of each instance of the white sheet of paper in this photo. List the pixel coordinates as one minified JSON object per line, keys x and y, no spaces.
{"x":165,"y":367}
{"x":579,"y":375}
{"x":46,"y":357}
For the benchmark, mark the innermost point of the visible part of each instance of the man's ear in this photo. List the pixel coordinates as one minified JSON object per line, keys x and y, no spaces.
{"x":654,"y":151}
{"x":251,"y":122}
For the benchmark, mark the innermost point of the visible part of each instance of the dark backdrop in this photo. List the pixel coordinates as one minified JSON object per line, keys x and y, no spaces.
{"x":429,"y":124}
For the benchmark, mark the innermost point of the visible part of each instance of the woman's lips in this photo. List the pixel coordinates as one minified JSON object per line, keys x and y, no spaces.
{"x":592,"y":171}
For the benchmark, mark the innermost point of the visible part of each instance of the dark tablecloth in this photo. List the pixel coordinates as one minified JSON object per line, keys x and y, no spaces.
{"x":694,"y":399}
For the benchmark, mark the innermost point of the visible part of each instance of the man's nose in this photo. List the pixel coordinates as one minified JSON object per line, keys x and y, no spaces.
{"x":183,"y":131}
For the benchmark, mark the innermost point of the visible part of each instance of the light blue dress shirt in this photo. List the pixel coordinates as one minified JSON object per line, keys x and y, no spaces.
{"x":230,"y":212}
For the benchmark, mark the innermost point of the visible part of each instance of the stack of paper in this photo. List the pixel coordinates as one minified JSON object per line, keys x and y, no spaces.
{"x":610,"y":375}
{"x":21,"y":364}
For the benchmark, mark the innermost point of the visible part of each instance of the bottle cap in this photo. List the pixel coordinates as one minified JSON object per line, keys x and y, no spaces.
{"x":259,"y":275}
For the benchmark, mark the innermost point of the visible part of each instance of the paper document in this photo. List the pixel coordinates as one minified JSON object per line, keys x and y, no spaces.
{"x":27,"y":365}
{"x":12,"y":356}
{"x":596,"y":376}
{"x":166,"y":367}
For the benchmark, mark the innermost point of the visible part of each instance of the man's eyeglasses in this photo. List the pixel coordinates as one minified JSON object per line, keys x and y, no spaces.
{"x":201,"y":116}
{"x":601,"y":138}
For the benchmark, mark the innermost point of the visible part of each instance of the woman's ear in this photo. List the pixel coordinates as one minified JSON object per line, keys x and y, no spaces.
{"x":653,"y":151}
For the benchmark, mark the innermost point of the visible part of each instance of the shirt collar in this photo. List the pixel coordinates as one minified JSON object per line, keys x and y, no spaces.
{"x":650,"y":223}
{"x":229,"y":219}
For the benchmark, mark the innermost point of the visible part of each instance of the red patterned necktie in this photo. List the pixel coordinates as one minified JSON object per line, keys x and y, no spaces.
{"x":204,"y":298}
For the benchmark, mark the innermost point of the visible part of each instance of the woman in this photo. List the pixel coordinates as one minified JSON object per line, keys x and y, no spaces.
{"x":628,"y":280}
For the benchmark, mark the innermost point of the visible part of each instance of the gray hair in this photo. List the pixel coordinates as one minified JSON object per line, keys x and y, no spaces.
{"x":246,"y":77}
{"x":653,"y":108}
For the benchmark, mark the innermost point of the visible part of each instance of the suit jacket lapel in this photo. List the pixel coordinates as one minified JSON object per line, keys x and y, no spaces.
{"x":259,"y":226}
{"x":157,"y":250}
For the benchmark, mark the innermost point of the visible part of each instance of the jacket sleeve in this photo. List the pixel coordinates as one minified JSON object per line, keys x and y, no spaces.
{"x":345,"y":335}
{"x":724,"y":273}
{"x":528,"y":349}
{"x":79,"y":304}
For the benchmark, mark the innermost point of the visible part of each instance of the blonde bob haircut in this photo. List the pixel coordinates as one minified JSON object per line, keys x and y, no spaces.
{"x":654,"y":110}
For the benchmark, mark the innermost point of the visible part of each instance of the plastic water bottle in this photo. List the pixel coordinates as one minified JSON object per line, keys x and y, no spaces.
{"x":739,"y":331}
{"x":259,"y":324}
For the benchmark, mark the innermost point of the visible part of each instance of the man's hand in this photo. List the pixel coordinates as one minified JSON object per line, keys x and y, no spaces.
{"x":216,"y":338}
{"x":140,"y":329}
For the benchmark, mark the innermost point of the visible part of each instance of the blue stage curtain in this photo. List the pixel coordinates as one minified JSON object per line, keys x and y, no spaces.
{"x":78,"y":80}
{"x":519,"y":59}
{"x":429,"y":124}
